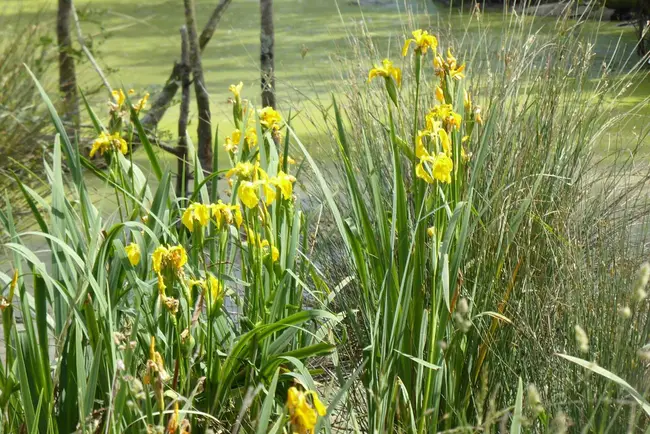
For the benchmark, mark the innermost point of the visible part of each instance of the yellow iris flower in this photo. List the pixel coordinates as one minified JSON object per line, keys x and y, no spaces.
{"x":423,"y":41}
{"x":196,"y":213}
{"x":251,"y":137}
{"x":236,"y":90}
{"x":107,"y":142}
{"x":229,"y":145}
{"x":437,"y":134}
{"x":270,"y":118}
{"x":133,"y":253}
{"x":142,"y":103}
{"x":449,"y":66}
{"x":442,"y":167}
{"x":444,"y":113}
{"x":245,"y":170}
{"x":225,"y":214}
{"x":118,"y":97}
{"x":248,"y":193}
{"x":386,"y":71}
{"x":275,"y":253}
{"x":303,"y":416}
{"x":216,"y":291}
{"x":169,"y":257}
{"x":285,"y":183}
{"x":440,"y":95}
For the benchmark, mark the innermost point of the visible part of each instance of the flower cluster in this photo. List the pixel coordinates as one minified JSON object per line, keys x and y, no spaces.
{"x":253,"y":180}
{"x":263,"y":245}
{"x":117,"y":104}
{"x":198,"y":215}
{"x":168,"y":261}
{"x":448,"y":67}
{"x":440,"y":144}
{"x":213,"y":289}
{"x":231,"y":143}
{"x":108,"y":142}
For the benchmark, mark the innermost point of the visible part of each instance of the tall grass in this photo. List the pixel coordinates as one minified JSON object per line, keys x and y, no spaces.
{"x":551,"y":216}
{"x":23,"y":121}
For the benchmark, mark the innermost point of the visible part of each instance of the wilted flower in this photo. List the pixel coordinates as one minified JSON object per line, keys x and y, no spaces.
{"x":155,"y":365}
{"x":5,"y":302}
{"x":449,"y":66}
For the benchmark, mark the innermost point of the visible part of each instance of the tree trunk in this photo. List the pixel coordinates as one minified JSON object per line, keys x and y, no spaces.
{"x":267,"y":37}
{"x":165,"y":97}
{"x":67,"y":75}
{"x":183,"y":167}
{"x":204,"y":129}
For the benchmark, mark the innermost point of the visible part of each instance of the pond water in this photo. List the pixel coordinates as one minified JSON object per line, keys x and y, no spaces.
{"x":137,"y":43}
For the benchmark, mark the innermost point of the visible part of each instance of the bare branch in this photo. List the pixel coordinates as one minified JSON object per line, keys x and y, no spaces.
{"x":165,"y":97}
{"x":87,"y":52}
{"x":267,"y":40}
{"x":183,"y":167}
{"x":204,"y":130}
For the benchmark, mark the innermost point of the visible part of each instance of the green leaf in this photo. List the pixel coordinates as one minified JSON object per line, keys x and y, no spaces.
{"x":267,"y":406}
{"x":419,"y":361}
{"x":146,"y":144}
{"x":517,"y":418}
{"x":611,"y":377}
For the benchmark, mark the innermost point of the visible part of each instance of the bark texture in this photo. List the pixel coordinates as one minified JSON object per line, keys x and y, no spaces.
{"x":183,"y":167}
{"x":164,"y":98}
{"x":267,"y":40}
{"x":204,"y":130}
{"x":67,"y":74}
